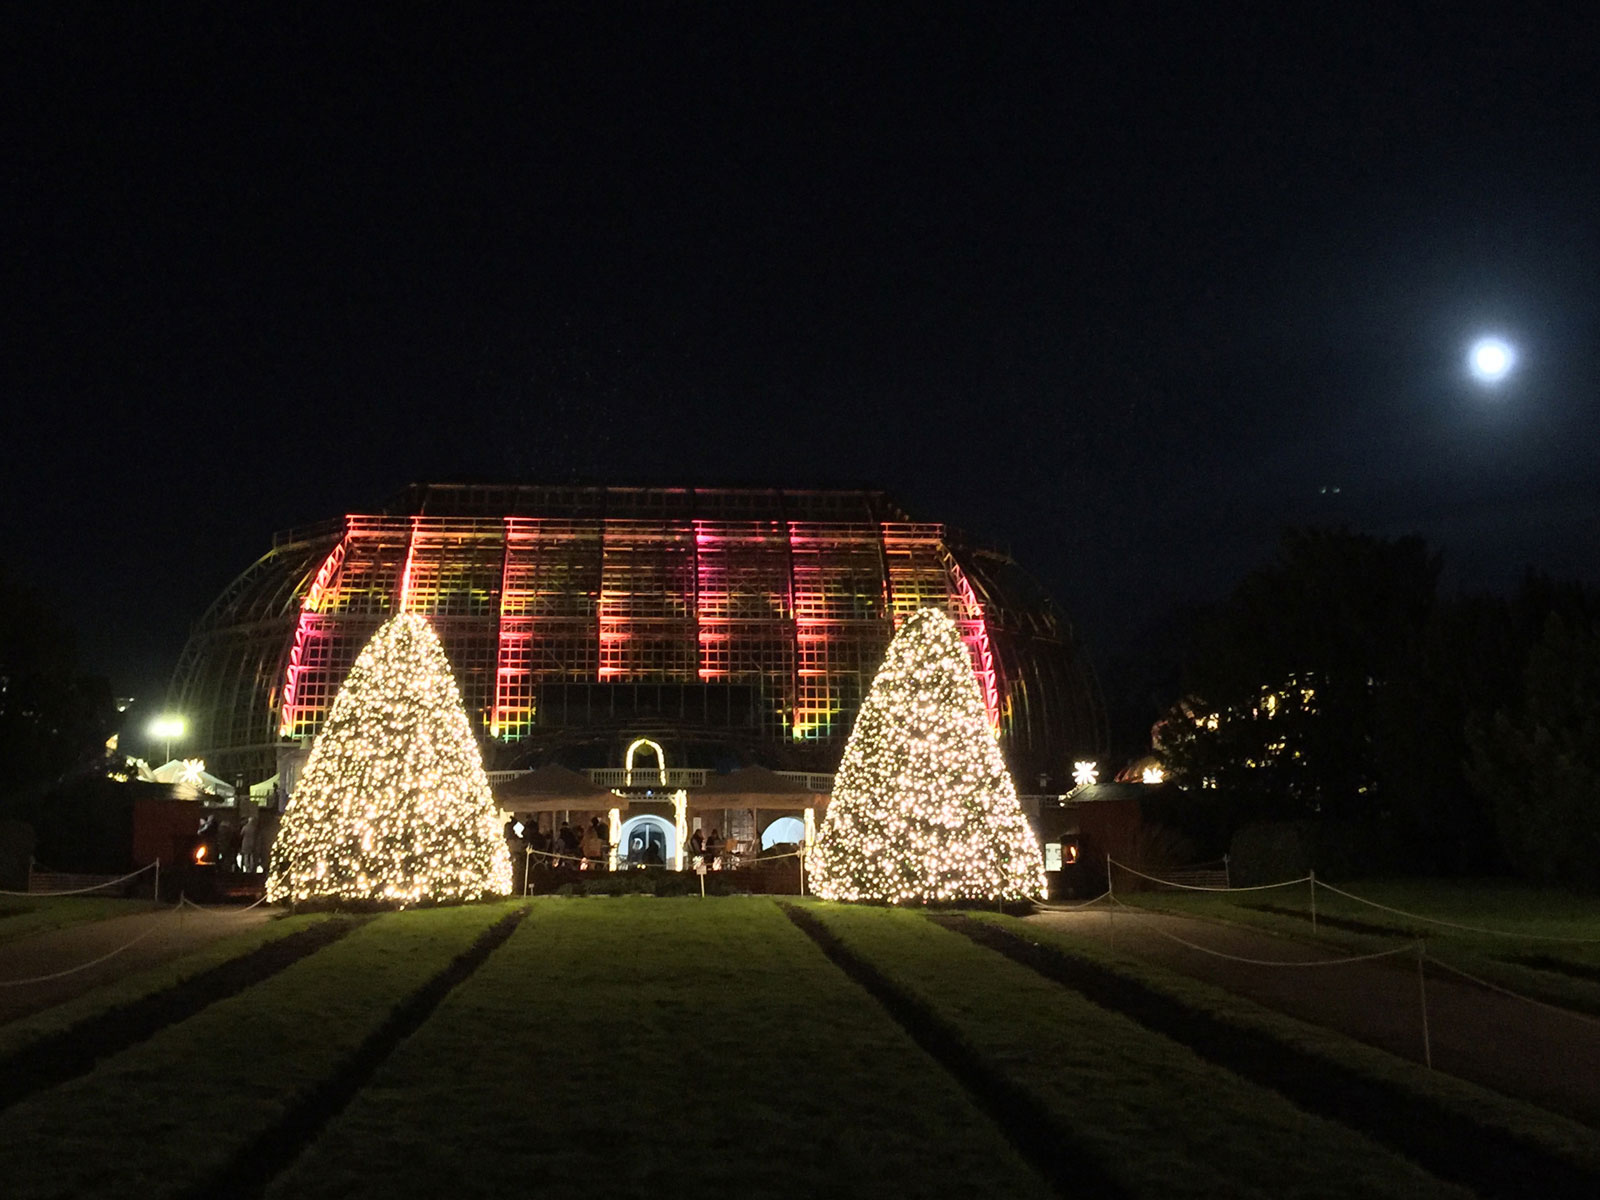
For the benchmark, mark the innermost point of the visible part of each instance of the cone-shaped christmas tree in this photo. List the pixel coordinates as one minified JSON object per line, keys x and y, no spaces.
{"x":393,"y":805}
{"x":923,"y":807}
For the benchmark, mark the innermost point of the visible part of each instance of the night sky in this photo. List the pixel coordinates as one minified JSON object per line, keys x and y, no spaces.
{"x":1125,"y":293}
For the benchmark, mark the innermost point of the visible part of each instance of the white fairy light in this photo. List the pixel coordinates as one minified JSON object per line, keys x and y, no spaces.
{"x":394,"y":805}
{"x":923,"y":807}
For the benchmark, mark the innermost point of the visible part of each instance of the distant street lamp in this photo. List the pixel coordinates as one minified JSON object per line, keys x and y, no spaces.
{"x":167,"y":729}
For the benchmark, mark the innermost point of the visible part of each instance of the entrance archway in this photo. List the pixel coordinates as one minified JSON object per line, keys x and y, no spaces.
{"x":661,"y":760}
{"x":646,"y":833}
{"x":785,"y":830}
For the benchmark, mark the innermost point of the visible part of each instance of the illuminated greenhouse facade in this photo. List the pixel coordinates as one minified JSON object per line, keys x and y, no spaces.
{"x":734,"y":625}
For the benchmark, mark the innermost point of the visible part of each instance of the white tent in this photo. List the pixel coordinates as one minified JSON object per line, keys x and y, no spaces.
{"x":186,"y":772}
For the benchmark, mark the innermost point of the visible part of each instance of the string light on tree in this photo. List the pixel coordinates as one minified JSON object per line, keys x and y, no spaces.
{"x":923,"y":807}
{"x":394,"y":805}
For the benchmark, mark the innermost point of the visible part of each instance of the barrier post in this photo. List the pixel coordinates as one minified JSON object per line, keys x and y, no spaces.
{"x":1313,"y":878}
{"x":527,"y":862}
{"x":1422,"y":993}
{"x":156,"y":894}
{"x":1111,"y":906}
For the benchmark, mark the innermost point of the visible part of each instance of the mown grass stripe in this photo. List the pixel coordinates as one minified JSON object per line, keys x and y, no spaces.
{"x":1523,"y":916}
{"x":174,"y":1109}
{"x":55,"y":1058}
{"x":1047,"y":1145}
{"x":641,"y":1048}
{"x":16,"y":1035}
{"x":1160,"y":1120}
{"x":1489,"y":1158}
{"x":249,"y":1172}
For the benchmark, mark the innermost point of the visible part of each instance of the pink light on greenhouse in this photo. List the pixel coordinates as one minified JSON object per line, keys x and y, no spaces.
{"x":405,"y":575}
{"x":710,"y":586}
{"x":512,"y":690}
{"x":309,"y":607}
{"x":977,"y":638}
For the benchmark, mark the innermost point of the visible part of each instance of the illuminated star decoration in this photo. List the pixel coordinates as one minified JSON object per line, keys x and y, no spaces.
{"x":923,"y":807}
{"x":192,"y":772}
{"x":393,"y":805}
{"x":1085,"y":774}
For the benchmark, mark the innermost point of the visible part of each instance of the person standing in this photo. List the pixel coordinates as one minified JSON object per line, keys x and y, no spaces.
{"x":594,"y":849}
{"x":249,"y":853}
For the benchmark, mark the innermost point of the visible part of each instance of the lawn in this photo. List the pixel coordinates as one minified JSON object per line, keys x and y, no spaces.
{"x":645,"y":1047}
{"x":24,"y":915}
{"x":1157,"y":1118}
{"x":24,"y":1031}
{"x":1545,"y":943}
{"x":166,"y":1115}
{"x":636,"y":1046}
{"x":1476,"y":1132}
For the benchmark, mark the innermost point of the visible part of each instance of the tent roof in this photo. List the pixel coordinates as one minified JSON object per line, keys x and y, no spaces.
{"x":180,"y":772}
{"x":755,"y":783}
{"x":554,"y":783}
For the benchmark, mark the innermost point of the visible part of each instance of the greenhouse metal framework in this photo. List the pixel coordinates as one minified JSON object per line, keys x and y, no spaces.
{"x":571,"y":614}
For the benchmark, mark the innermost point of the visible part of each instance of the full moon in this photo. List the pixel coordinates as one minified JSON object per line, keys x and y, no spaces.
{"x":1491,"y":359}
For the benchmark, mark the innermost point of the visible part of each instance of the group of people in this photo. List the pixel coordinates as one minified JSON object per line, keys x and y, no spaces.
{"x":708,"y":849}
{"x":588,"y":844}
{"x":235,"y":841}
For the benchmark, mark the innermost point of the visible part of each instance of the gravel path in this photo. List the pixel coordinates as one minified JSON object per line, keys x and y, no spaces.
{"x":1549,"y":1057}
{"x":161,"y":936}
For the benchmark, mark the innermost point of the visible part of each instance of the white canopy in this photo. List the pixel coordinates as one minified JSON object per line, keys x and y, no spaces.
{"x":187,"y":772}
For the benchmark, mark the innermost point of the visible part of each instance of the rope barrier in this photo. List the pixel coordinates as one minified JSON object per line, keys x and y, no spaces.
{"x":765,"y":858}
{"x":1192,"y":887}
{"x":175,"y":910}
{"x":1400,"y":912}
{"x":1263,"y":962}
{"x":1494,"y":987}
{"x":221,"y":911}
{"x":154,"y":929}
{"x":1069,"y":907}
{"x":82,"y":891}
{"x":577,"y":858}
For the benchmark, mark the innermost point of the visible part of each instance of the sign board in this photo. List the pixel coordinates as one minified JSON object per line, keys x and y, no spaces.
{"x":1052,"y":856}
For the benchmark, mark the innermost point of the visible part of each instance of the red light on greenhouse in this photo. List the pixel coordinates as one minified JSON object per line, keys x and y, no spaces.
{"x":559,"y":607}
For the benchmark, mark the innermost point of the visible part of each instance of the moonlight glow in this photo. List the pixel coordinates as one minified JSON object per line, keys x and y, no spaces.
{"x":1491,"y":359}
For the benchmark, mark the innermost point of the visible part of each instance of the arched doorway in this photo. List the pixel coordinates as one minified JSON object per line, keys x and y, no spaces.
{"x":783,"y":831}
{"x":646,"y":837}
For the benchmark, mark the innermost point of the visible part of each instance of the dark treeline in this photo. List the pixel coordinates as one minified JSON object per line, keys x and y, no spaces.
{"x":1336,"y":687}
{"x":54,"y":722}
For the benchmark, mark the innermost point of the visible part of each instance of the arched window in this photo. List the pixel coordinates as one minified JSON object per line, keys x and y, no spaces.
{"x":783,"y":831}
{"x":647,"y":840}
